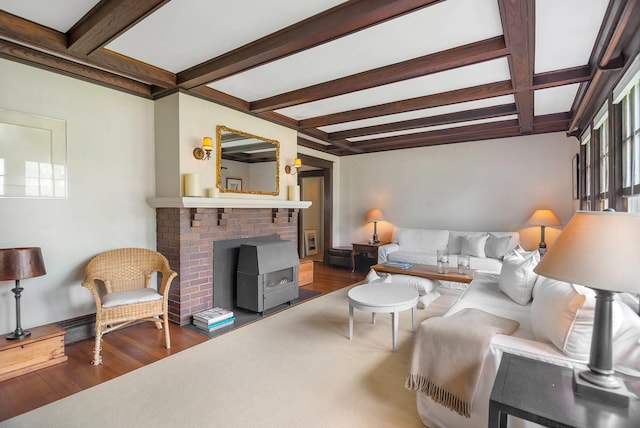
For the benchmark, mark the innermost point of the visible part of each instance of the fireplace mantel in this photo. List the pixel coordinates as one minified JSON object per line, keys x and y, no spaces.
{"x":194,"y":202}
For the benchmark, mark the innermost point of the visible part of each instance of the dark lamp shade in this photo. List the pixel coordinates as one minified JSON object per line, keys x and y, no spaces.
{"x":597,"y":249}
{"x":374,"y":215}
{"x":20,"y":263}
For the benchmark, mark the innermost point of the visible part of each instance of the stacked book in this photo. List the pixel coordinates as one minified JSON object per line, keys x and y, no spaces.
{"x":213,"y":319}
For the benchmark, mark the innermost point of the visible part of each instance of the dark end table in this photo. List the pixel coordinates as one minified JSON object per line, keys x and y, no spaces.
{"x":543,"y":393}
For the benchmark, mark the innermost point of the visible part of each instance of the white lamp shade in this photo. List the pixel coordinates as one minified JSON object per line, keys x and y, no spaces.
{"x":543,"y":218}
{"x":374,"y":215}
{"x":597,"y":249}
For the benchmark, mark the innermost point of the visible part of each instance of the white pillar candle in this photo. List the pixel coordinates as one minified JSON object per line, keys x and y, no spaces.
{"x":192,"y":185}
{"x":294,"y":193}
{"x":213,"y":192}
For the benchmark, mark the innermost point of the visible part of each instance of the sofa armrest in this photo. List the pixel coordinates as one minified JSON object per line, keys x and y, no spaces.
{"x":384,"y":250}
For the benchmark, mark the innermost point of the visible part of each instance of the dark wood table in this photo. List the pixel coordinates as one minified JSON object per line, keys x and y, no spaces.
{"x":368,"y":250}
{"x":543,"y":393}
{"x":427,"y":271}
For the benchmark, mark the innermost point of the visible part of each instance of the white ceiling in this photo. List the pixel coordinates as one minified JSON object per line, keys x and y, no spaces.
{"x":185,"y":33}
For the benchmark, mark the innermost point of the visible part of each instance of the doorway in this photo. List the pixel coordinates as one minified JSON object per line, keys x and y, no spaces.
{"x":314,"y":223}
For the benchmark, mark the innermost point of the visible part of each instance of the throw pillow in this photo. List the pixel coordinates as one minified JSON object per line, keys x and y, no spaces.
{"x":423,"y":285}
{"x":455,"y":242}
{"x":427,"y":299}
{"x":373,"y":276}
{"x":517,"y":277}
{"x":562,"y":313}
{"x":496,"y":247}
{"x":473,"y":245}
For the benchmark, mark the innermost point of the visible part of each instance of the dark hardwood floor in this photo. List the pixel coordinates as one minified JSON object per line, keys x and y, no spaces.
{"x":123,"y":351}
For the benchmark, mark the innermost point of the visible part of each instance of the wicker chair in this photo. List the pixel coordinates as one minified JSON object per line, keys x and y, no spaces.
{"x":127,"y":297}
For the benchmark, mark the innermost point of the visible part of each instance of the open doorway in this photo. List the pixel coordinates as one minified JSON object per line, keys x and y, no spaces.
{"x":314,"y":223}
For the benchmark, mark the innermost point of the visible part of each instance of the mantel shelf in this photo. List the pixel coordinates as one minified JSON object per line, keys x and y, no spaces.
{"x":195,"y":202}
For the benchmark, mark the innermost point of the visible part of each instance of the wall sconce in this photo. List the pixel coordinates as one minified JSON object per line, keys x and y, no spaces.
{"x":289,"y":169}
{"x":204,"y":152}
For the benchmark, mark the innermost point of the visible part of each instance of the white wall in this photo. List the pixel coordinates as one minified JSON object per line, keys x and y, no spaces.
{"x":111,"y":171}
{"x":492,"y":185}
{"x":198,"y":118}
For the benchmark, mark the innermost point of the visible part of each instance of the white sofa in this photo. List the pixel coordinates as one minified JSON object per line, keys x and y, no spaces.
{"x":420,"y":246}
{"x":545,"y":320}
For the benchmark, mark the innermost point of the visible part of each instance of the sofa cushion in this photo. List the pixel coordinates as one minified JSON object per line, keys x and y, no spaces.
{"x":517,"y":277}
{"x":421,"y":239}
{"x":455,"y":242}
{"x":562,"y":313}
{"x":497,"y":246}
{"x":473,"y":244}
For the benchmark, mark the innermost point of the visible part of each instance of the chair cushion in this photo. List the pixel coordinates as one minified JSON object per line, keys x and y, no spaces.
{"x":129,"y":297}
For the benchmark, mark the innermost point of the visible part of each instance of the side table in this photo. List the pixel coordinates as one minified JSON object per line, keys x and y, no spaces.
{"x":387,"y":298}
{"x":44,"y":348}
{"x":543,"y":393}
{"x":369,"y":250}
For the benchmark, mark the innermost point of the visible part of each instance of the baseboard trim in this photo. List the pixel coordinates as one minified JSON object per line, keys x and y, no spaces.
{"x":79,"y":328}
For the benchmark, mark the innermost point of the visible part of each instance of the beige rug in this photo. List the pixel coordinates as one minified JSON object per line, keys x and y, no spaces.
{"x":296,"y":368}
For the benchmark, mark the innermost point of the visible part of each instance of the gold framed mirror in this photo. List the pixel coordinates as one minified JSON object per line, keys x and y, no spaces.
{"x":246,"y":163}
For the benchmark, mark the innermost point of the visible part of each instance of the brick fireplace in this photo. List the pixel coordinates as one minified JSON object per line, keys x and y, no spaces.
{"x":187,"y":236}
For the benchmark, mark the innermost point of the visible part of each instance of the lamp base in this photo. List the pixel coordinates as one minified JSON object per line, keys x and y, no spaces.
{"x":18,"y":335}
{"x":615,"y":395}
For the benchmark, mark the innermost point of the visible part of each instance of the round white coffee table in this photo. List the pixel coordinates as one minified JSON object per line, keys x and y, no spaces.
{"x":380,"y":297}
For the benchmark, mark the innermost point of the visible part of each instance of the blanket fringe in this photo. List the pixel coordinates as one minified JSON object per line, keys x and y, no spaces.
{"x":438,"y":394}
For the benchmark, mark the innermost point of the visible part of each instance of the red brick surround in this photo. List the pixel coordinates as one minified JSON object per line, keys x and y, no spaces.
{"x":186,"y":237}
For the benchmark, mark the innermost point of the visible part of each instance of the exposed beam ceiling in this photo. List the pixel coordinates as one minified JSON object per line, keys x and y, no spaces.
{"x":353,"y":76}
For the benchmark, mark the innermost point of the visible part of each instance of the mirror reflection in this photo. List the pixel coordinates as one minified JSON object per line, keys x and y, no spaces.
{"x":246,"y":163}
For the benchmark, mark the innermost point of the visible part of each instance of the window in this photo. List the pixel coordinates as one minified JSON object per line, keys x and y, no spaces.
{"x":601,"y":127}
{"x":631,"y":141}
{"x":586,"y":198}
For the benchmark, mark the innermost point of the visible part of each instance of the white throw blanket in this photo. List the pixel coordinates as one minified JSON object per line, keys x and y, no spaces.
{"x":448,"y":353}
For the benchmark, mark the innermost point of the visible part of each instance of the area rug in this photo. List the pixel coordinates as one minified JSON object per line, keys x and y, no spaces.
{"x":296,"y":368}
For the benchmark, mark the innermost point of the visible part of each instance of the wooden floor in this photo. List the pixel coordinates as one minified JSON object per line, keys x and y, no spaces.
{"x":123,"y":351}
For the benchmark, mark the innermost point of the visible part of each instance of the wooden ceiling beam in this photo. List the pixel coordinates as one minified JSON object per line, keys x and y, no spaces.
{"x":339,"y":21}
{"x":60,"y":65}
{"x":322,"y":136}
{"x":311,"y":144}
{"x":458,"y":135}
{"x":619,"y":30}
{"x":566,"y":76}
{"x":107,"y":20}
{"x":488,"y":90}
{"x":53,"y":42}
{"x":518,"y":25}
{"x":441,"y":61}
{"x":442,"y":119}
{"x":424,"y":136}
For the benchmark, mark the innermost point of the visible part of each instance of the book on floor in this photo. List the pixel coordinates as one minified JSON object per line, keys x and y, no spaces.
{"x":215,"y":326}
{"x":211,"y":316}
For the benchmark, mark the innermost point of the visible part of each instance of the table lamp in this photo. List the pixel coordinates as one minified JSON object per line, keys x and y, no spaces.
{"x":375,"y":216}
{"x":598,"y":250}
{"x":17,"y":264}
{"x":543,"y":218}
